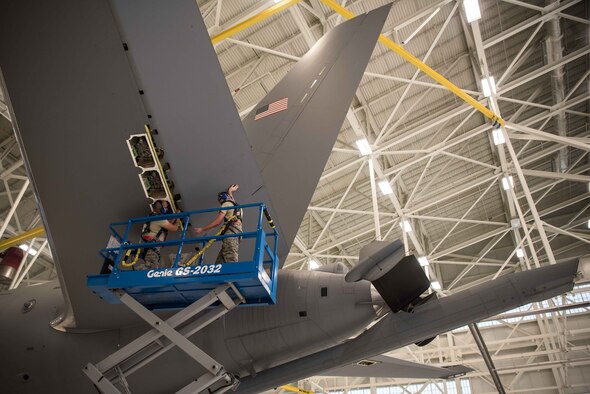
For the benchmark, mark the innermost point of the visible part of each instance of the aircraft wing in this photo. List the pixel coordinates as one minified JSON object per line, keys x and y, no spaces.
{"x":396,"y":330}
{"x":389,"y":367}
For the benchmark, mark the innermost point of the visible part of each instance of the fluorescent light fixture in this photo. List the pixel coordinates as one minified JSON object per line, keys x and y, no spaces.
{"x":519,"y":253}
{"x":489,"y":86}
{"x":588,"y":223}
{"x":498,"y":137}
{"x":423,"y":261}
{"x":385,"y":187}
{"x":435,"y":285}
{"x":507,"y":182}
{"x":515,"y":223}
{"x":472,"y":11}
{"x":26,"y":248}
{"x":364,"y":147}
{"x":406,"y":226}
{"x":277,"y":1}
{"x":313,"y":264}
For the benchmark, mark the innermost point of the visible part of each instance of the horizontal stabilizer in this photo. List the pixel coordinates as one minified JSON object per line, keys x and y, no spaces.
{"x":389,"y":367}
{"x":376,"y":259}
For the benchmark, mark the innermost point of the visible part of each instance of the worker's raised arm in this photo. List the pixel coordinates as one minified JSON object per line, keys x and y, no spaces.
{"x":232,"y":189}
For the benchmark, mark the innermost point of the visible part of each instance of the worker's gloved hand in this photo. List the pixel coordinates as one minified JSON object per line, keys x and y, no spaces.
{"x":198,"y":230}
{"x":233,"y":188}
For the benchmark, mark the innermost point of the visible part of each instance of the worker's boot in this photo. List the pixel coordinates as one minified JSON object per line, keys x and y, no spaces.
{"x":139,"y":265}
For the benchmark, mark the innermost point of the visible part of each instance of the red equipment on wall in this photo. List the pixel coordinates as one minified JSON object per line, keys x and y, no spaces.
{"x":11,"y":260}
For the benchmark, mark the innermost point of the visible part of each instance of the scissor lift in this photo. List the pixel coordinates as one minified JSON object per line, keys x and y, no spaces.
{"x":203,"y":293}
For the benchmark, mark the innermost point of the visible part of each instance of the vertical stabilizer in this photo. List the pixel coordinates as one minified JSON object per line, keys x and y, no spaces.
{"x":293,"y":129}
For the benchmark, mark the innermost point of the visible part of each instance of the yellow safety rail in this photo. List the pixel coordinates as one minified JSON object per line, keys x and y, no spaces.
{"x":422,"y":66}
{"x":125,"y":260}
{"x":221,"y":231}
{"x":253,"y":20}
{"x":296,"y":389}
{"x":19,"y":239}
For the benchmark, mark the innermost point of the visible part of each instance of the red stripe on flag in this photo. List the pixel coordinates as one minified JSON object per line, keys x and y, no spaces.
{"x":273,"y":108}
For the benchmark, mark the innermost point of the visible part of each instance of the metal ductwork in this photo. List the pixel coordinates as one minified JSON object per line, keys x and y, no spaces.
{"x":554,"y":53}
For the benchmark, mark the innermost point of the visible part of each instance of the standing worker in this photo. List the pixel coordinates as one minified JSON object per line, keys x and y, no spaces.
{"x":232,"y":219}
{"x":157,"y":231}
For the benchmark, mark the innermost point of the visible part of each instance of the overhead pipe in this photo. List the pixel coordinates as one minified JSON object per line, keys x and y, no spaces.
{"x":253,"y":20}
{"x":19,"y":239}
{"x":553,"y":54}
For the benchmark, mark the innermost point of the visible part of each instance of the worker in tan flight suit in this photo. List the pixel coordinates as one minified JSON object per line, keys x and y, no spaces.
{"x":232,"y":219}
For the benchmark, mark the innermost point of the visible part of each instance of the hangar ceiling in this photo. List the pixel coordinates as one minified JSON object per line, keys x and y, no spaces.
{"x":473,"y":206}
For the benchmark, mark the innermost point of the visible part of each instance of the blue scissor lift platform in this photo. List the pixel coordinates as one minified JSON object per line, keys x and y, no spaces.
{"x":202,"y":292}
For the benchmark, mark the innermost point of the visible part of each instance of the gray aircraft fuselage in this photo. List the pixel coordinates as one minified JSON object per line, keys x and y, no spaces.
{"x":66,"y":62}
{"x":305,"y":333}
{"x":245,"y":341}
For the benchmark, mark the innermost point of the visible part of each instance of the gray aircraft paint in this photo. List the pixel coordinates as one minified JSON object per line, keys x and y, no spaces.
{"x":386,"y":366}
{"x":275,"y":343}
{"x":246,"y":340}
{"x":292,"y":147}
{"x":52,"y":56}
{"x":95,"y":105}
{"x":200,"y":131}
{"x":284,"y":154}
{"x":375,"y":259}
{"x":74,"y":103}
{"x":428,"y":320}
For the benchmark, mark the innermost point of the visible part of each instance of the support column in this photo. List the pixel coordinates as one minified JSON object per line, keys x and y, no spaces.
{"x":483,"y":349}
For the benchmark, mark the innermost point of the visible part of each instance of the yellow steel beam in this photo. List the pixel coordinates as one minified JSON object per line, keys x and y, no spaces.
{"x":253,"y":20}
{"x":422,"y":66}
{"x":19,"y":239}
{"x":295,"y":389}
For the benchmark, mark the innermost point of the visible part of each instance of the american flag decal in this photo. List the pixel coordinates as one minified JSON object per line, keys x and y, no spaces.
{"x":272,"y":108}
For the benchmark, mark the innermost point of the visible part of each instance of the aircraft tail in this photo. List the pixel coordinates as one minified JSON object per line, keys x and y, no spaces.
{"x":293,"y":129}
{"x":429,"y":319}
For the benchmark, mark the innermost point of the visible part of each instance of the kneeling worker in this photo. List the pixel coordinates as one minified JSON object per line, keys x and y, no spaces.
{"x":157,"y":231}
{"x":232,"y":219}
